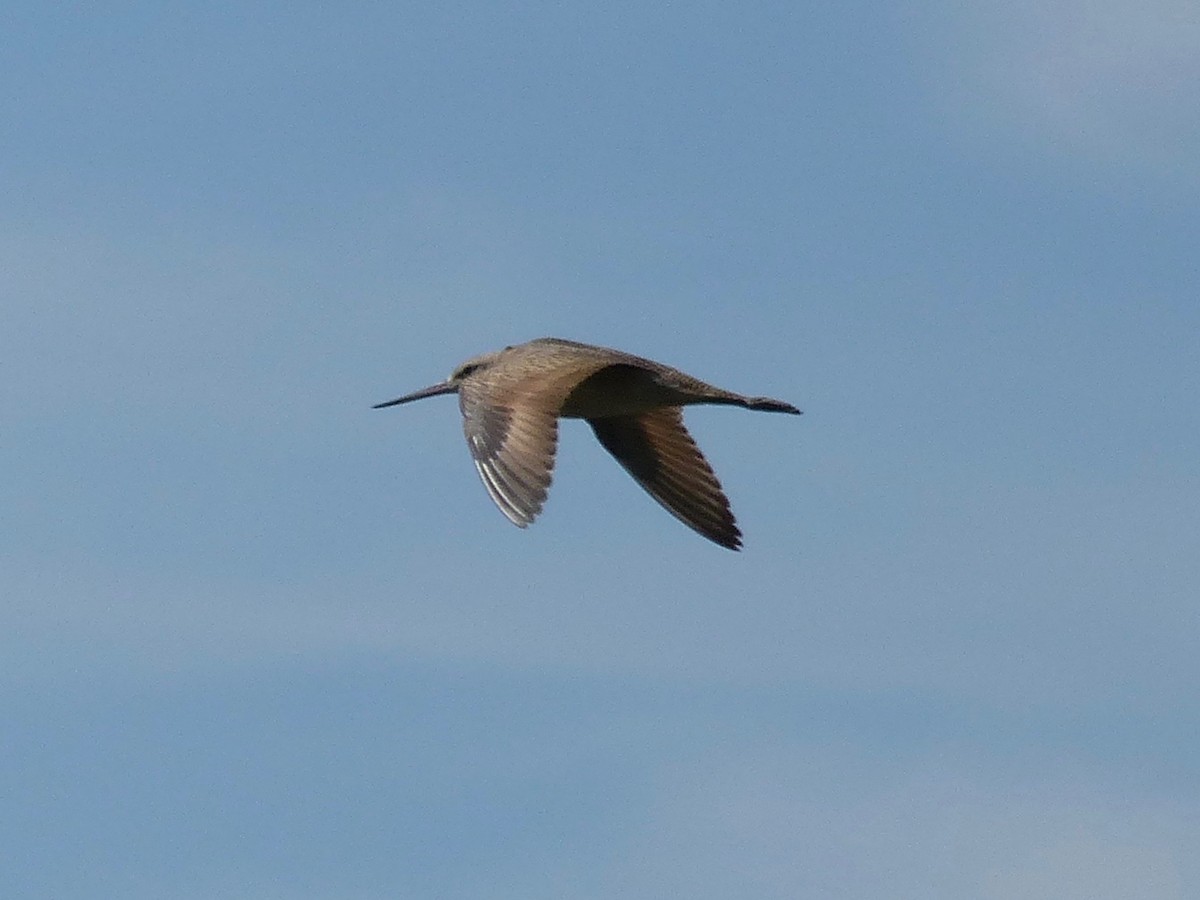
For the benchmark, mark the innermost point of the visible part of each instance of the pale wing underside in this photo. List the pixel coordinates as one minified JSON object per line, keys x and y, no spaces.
{"x":656,"y":449}
{"x":511,"y":426}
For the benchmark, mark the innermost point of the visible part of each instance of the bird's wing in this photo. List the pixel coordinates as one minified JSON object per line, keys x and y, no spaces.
{"x":511,"y":428}
{"x":656,"y":449}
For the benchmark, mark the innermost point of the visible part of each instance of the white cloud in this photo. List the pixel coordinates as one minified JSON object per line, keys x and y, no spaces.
{"x":1111,"y":83}
{"x":1084,"y":865}
{"x":831,"y":825}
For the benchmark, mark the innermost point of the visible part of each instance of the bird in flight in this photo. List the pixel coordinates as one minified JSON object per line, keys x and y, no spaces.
{"x":512,"y":399}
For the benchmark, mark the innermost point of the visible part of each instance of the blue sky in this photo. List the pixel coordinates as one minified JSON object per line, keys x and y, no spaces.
{"x":259,"y":641}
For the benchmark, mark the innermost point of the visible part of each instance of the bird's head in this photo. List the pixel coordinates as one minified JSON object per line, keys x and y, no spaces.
{"x":472,"y":367}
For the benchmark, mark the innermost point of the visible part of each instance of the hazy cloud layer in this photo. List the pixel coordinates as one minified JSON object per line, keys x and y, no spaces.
{"x":1106,"y":84}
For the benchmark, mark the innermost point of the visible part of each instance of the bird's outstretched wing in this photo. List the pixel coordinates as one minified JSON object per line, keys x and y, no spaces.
{"x":511,"y":425}
{"x":656,"y":449}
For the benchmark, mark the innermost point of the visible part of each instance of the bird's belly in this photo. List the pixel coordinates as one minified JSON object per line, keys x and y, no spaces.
{"x":619,"y":391}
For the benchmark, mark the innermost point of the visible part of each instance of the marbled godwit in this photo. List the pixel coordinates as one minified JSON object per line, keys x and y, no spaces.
{"x":511,"y":402}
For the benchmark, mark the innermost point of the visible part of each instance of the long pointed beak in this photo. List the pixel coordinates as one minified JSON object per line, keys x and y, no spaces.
{"x":446,"y":387}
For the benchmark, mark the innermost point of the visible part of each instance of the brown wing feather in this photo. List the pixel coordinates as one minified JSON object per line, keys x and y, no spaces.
{"x":513,"y":449}
{"x":656,"y":449}
{"x":511,"y":426}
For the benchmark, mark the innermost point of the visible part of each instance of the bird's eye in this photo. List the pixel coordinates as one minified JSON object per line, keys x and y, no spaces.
{"x":464,"y":371}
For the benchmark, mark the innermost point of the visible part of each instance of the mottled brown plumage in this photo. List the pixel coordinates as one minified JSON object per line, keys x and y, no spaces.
{"x":512,"y":400}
